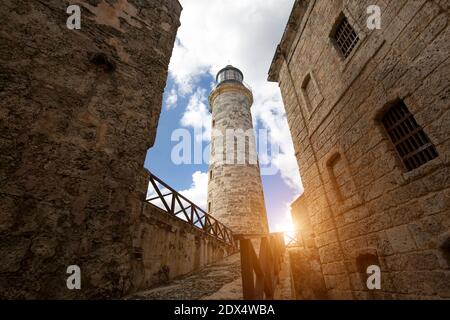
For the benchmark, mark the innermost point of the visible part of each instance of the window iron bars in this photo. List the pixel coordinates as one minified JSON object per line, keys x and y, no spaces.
{"x":411,"y":142}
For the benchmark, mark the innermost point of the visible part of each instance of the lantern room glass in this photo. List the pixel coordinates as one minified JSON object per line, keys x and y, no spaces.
{"x":229,"y":74}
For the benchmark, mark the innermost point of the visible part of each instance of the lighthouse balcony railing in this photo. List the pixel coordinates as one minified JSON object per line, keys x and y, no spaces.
{"x":164,"y":197}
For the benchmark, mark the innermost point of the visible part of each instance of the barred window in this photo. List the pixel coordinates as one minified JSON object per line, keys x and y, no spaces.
{"x":346,"y":37}
{"x":409,"y":139}
{"x":138,"y":253}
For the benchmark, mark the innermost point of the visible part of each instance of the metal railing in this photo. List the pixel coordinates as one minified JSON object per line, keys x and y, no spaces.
{"x":173,"y":203}
{"x":266,"y":266}
{"x":293,"y":239}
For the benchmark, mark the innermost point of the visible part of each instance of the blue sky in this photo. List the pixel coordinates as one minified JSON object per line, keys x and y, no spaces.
{"x":214,"y":33}
{"x":158,"y":159}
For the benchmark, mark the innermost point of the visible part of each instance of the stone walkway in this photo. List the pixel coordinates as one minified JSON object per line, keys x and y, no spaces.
{"x":221,"y":281}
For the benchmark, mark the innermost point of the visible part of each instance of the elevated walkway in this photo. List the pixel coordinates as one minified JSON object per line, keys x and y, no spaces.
{"x":200,"y":259}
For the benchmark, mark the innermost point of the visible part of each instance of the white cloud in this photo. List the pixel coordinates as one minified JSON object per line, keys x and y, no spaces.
{"x":272,"y":116}
{"x":198,"y":192}
{"x":214,"y":33}
{"x":197,"y":116}
{"x":244,"y":33}
{"x":172,"y":99}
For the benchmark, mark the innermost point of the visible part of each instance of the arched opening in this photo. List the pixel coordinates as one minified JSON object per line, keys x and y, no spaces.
{"x":363,"y":262}
{"x":445,"y":248}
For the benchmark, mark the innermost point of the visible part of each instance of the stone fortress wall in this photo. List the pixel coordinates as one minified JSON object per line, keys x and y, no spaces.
{"x":306,"y":269}
{"x":79,"y":110}
{"x":364,"y":205}
{"x":167,"y":248}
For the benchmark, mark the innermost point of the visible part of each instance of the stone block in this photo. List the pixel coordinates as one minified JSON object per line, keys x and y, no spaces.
{"x":400,"y":239}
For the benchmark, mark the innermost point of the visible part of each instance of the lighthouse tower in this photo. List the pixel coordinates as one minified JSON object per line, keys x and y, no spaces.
{"x":235,"y":195}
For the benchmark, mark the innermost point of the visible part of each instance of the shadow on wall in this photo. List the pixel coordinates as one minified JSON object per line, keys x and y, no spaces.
{"x":307,"y":275}
{"x":445,"y":247}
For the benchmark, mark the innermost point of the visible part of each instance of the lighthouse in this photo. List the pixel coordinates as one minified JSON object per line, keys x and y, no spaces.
{"x":235,"y":194}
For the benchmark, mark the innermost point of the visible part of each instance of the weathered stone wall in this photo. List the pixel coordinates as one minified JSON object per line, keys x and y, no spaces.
{"x":305,"y":264}
{"x":307,"y":274}
{"x":301,"y":220}
{"x":235,"y":194}
{"x":363,"y":205}
{"x":79,"y":109}
{"x":169,"y":247}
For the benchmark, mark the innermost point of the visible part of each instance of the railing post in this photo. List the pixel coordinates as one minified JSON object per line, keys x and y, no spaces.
{"x":247,"y":269}
{"x":266,"y":265}
{"x":266,"y":260}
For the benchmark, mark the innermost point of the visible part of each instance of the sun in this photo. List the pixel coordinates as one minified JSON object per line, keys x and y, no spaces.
{"x":286,"y":225}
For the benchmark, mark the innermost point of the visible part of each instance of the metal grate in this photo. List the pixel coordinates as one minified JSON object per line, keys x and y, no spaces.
{"x":346,"y":37}
{"x":138,"y":253}
{"x":410,"y":141}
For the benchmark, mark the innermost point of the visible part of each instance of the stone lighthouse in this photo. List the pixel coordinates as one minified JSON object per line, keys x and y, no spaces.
{"x":235,"y":194}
